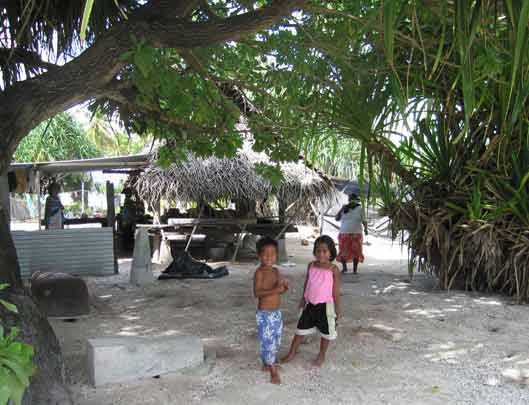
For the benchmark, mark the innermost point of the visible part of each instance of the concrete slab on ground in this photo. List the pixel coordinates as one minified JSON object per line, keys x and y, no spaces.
{"x":126,"y":358}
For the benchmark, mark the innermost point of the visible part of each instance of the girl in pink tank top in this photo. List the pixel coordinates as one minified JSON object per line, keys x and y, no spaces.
{"x":320,"y":301}
{"x":319,"y":285}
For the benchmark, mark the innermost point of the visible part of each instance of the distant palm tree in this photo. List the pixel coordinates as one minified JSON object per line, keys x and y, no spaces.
{"x":59,"y":138}
{"x":113,"y":142}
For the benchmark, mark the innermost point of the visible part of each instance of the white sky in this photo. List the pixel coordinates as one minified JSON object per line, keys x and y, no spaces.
{"x":81,"y":114}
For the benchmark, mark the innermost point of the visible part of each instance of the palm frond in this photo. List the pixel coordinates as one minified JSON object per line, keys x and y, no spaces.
{"x":50,"y":28}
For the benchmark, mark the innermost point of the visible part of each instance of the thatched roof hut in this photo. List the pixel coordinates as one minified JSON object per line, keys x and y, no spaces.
{"x":213,"y":179}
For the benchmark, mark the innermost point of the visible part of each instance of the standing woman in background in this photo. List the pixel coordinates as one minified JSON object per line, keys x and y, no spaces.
{"x":53,"y":212}
{"x":350,"y":238}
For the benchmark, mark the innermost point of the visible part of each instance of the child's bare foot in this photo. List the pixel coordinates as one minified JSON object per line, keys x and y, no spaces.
{"x":287,"y":358}
{"x":274,"y":375}
{"x":319,"y":361}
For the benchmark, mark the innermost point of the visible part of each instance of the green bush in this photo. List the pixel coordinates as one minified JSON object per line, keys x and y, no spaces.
{"x":74,"y":210}
{"x":16,"y":362}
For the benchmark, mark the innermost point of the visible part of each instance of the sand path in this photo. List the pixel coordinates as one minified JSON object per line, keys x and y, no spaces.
{"x":399,"y":342}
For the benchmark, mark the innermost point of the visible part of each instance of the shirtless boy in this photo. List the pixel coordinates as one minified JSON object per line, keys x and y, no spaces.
{"x":268,"y":286}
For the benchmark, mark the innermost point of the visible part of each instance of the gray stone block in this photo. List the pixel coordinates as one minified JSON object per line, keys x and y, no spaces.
{"x":127,"y":358}
{"x":140,"y":271}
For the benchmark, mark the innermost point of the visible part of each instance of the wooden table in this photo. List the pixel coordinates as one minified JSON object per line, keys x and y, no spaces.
{"x":82,"y":221}
{"x":189,"y":226}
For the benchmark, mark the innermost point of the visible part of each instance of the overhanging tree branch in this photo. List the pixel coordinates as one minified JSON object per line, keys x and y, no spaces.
{"x":182,"y":34}
{"x":86,"y":76}
{"x":125,"y":95}
{"x":228,"y":88}
{"x":25,"y":57}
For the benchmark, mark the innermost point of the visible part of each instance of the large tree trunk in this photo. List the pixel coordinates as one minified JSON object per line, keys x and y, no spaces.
{"x":4,"y":195}
{"x":9,"y":268}
{"x":47,"y":385}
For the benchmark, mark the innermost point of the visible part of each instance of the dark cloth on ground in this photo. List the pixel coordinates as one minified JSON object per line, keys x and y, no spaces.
{"x":184,"y":266}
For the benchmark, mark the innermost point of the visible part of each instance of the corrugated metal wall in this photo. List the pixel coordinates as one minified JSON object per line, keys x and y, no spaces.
{"x":81,"y":251}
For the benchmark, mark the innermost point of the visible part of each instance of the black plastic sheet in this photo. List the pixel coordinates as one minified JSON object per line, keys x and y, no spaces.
{"x":184,"y":266}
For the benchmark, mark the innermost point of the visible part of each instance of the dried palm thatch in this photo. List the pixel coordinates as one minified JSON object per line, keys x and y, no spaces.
{"x":471,"y":254}
{"x":213,"y":179}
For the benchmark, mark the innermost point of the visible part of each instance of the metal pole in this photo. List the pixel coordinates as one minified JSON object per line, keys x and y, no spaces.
{"x":111,"y":208}
{"x":82,"y":196}
{"x":39,"y":208}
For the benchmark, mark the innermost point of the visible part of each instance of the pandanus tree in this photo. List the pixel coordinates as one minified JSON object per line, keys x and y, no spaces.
{"x":459,"y":72}
{"x":437,"y":91}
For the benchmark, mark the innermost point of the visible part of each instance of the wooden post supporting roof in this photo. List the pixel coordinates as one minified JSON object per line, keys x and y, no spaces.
{"x":240,"y":238}
{"x":111,"y":219}
{"x":195,"y":228}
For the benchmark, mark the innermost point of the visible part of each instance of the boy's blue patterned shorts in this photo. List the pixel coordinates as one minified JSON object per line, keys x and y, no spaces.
{"x":269,"y":327}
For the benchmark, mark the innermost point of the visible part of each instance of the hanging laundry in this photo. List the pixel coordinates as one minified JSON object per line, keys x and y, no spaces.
{"x":22,"y":181}
{"x":32,"y":181}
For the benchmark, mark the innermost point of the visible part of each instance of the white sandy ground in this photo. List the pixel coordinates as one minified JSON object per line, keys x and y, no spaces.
{"x":399,"y":342}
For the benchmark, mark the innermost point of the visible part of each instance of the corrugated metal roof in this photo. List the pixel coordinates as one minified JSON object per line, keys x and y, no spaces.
{"x":85,"y":251}
{"x":85,"y":165}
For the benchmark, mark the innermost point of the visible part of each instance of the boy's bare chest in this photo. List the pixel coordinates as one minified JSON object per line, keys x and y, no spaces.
{"x":270,"y":279}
